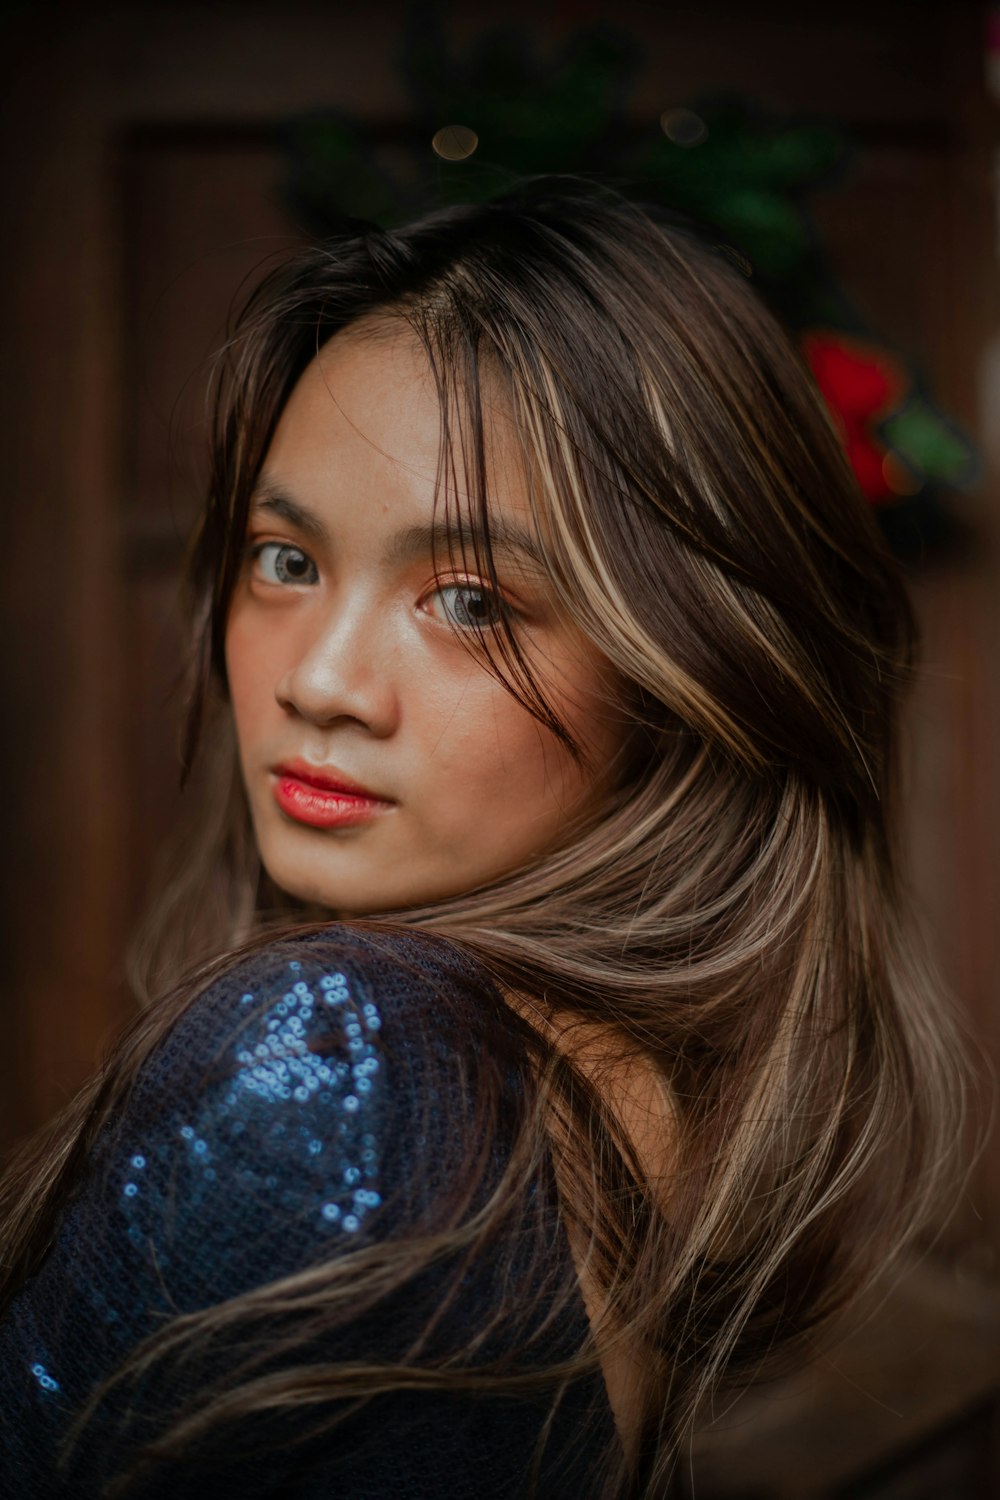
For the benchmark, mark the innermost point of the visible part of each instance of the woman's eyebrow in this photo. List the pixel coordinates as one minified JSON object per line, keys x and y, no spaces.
{"x":421,"y":540}
{"x":428,"y":539}
{"x":265,"y":497}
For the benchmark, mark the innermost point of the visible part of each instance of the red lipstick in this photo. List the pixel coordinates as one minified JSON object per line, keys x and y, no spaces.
{"x":324,"y":797}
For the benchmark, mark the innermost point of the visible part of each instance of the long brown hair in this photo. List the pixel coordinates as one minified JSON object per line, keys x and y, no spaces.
{"x":734,"y":914}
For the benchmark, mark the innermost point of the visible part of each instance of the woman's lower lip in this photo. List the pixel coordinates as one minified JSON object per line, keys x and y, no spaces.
{"x":324,"y":809}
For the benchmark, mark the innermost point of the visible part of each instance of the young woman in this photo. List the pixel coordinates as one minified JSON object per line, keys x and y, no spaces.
{"x":534,"y":1038}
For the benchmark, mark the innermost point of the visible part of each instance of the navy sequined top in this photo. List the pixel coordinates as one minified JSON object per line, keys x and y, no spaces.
{"x":319,"y":1097}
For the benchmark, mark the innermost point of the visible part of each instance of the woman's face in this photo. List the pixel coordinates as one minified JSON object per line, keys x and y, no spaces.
{"x":385,"y":767}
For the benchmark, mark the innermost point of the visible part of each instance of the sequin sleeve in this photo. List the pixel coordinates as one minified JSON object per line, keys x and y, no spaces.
{"x":307,"y":1102}
{"x":256,"y":1141}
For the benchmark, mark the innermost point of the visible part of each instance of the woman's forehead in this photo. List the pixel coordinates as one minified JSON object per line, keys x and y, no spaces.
{"x":362,"y":456}
{"x":375,"y":397}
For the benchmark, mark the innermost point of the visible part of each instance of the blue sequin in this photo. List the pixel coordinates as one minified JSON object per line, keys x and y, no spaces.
{"x":130,"y":1189}
{"x":43,"y":1377}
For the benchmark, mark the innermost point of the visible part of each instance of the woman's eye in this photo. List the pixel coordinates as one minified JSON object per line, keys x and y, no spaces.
{"x":469,"y":606}
{"x":280,"y":562}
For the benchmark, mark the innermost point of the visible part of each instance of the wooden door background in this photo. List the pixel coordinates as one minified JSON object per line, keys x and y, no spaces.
{"x":141,"y":183}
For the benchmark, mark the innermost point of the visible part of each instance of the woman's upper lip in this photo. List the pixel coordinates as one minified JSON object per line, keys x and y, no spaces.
{"x":327,"y":778}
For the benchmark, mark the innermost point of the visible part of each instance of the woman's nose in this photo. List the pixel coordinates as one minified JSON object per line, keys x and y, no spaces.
{"x":345,"y":669}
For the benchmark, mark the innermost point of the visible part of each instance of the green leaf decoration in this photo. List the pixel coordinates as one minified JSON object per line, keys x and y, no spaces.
{"x":929,"y":443}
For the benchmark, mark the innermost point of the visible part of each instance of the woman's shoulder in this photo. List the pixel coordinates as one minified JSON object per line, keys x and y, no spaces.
{"x":413,"y":995}
{"x":318,"y":1092}
{"x":316,"y":1095}
{"x":343,"y":1024}
{"x":320,"y":1095}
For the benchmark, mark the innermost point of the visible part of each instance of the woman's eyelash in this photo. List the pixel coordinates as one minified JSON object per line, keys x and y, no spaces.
{"x":481,"y":610}
{"x":288,"y":564}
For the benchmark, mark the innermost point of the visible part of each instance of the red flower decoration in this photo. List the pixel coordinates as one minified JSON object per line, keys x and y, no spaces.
{"x":861,"y":384}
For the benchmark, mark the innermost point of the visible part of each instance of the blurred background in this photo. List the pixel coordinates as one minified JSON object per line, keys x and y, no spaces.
{"x":153,"y":156}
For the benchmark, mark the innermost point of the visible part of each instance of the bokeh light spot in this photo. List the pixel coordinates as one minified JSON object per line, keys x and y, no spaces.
{"x":683,"y":127}
{"x":454,"y":142}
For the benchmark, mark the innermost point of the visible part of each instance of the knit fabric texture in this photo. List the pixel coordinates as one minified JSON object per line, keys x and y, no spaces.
{"x":323,"y":1096}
